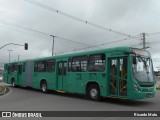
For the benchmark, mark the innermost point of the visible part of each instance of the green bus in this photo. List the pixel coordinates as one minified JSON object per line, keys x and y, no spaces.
{"x":120,"y":72}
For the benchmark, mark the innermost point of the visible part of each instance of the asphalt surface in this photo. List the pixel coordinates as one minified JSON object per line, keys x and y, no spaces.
{"x":23,"y":99}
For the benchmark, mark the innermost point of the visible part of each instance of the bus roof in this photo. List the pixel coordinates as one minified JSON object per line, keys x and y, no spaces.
{"x":106,"y":50}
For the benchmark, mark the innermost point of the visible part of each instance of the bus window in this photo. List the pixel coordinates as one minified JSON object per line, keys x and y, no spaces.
{"x":60,"y":69}
{"x":35,"y":66}
{"x":123,"y":77}
{"x":50,"y":65}
{"x":6,"y":68}
{"x":123,"y":68}
{"x":79,"y":64}
{"x":14,"y":67}
{"x":65,"y":68}
{"x":113,"y":69}
{"x":40,"y":66}
{"x":24,"y":65}
{"x":96,"y":63}
{"x":9,"y":69}
{"x":69,"y":64}
{"x":20,"y":69}
{"x":113,"y":76}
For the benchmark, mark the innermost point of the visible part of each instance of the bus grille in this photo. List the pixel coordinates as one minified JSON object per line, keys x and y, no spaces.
{"x":146,"y":85}
{"x":145,"y":90}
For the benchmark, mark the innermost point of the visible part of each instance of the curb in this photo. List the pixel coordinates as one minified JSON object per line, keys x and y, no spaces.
{"x":3,"y":91}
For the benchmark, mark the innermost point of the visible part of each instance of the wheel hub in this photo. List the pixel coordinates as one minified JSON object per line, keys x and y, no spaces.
{"x":44,"y":87}
{"x":93,"y":93}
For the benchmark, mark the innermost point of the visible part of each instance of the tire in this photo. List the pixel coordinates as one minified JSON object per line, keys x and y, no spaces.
{"x":44,"y":87}
{"x":13,"y":83}
{"x":94,"y":92}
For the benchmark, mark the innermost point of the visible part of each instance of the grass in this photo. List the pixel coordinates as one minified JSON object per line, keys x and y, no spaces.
{"x":2,"y":89}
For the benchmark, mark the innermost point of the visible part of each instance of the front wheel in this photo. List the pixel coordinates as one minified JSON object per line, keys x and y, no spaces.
{"x":44,"y":87}
{"x":94,"y":92}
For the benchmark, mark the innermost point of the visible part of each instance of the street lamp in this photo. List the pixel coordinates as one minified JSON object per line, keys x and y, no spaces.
{"x":9,"y":54}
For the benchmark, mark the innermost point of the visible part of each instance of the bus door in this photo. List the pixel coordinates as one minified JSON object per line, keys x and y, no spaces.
{"x":62,"y":66}
{"x":19,"y":74}
{"x":118,"y":77}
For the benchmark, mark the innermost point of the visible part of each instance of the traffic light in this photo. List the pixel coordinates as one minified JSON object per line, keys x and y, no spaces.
{"x":26,"y":46}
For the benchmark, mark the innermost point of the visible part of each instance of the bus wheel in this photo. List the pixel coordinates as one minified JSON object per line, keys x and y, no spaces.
{"x":44,"y":87}
{"x":94,"y":92}
{"x":13,"y":83}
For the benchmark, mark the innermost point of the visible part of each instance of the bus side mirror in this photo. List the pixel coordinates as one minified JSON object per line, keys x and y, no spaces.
{"x":134,"y":61}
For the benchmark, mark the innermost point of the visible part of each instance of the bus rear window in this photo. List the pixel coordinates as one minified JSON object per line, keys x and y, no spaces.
{"x":96,"y":63}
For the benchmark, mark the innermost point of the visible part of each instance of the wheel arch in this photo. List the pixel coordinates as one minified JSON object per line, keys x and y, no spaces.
{"x":43,"y":80}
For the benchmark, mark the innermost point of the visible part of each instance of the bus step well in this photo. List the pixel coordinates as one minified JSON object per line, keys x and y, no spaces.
{"x":61,"y":91}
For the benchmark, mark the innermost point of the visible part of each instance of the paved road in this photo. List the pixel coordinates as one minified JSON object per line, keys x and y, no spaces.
{"x":22,"y":99}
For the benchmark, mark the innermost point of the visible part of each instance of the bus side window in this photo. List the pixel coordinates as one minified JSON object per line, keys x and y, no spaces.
{"x":41,"y":66}
{"x":69,"y":64}
{"x":65,"y":69}
{"x":97,"y":63}
{"x":6,"y":67}
{"x":123,"y":68}
{"x":113,"y":67}
{"x":24,"y":65}
{"x":60,"y":69}
{"x":14,"y":67}
{"x":79,"y":64}
{"x":35,"y":66}
{"x":50,"y":67}
{"x":9,"y":69}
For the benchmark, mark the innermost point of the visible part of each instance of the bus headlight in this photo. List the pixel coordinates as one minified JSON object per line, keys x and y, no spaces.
{"x":136,"y":87}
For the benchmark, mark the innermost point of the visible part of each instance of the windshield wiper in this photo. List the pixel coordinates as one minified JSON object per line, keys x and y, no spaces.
{"x":143,"y":61}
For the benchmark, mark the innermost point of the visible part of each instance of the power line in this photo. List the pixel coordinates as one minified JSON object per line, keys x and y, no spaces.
{"x":99,"y":45}
{"x":154,"y":42}
{"x":22,"y":27}
{"x":36,"y":31}
{"x":75,"y":18}
{"x":47,"y":34}
{"x":155,"y":33}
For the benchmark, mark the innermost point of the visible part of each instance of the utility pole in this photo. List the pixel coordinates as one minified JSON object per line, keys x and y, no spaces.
{"x":144,"y":40}
{"x":10,"y":55}
{"x":53,"y":44}
{"x":144,"y":43}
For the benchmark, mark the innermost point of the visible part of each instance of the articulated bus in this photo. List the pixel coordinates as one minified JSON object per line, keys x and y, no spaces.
{"x":121,"y":72}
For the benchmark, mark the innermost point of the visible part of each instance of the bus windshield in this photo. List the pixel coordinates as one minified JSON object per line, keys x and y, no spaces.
{"x":143,"y":69}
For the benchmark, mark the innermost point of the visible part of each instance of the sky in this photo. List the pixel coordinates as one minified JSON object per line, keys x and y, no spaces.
{"x":130,"y":17}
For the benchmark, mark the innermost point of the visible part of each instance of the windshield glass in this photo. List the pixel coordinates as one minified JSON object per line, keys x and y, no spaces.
{"x":143,"y":70}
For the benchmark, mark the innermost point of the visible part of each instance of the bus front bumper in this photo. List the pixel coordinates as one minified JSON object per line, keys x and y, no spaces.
{"x":142,"y":95}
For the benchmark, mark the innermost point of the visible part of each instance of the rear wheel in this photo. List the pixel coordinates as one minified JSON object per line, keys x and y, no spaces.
{"x":44,"y":87}
{"x":94,"y":92}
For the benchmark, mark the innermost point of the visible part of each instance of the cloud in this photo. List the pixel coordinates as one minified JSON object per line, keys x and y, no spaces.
{"x":126,"y":16}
